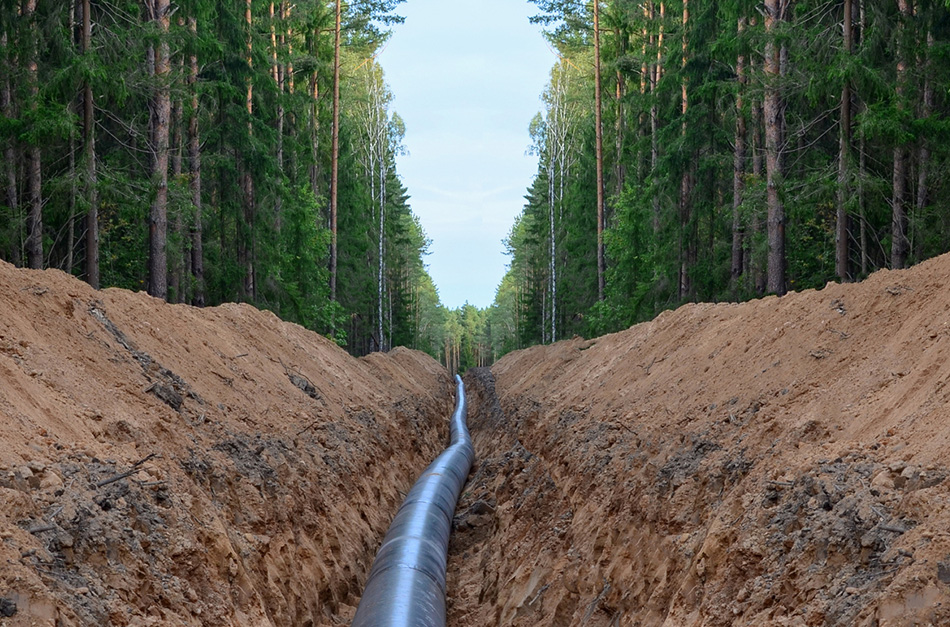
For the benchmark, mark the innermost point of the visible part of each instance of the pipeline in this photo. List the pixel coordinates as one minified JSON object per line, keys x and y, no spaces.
{"x":406,"y":586}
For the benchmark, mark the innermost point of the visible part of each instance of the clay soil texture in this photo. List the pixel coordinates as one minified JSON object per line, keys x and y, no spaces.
{"x":166,"y":465}
{"x":778,"y":462}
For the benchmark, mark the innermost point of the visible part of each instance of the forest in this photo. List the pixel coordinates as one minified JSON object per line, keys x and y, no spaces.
{"x":213,"y":151}
{"x":713,"y":150}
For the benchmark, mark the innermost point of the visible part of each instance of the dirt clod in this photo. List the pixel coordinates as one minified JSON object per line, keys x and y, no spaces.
{"x":7,"y":608}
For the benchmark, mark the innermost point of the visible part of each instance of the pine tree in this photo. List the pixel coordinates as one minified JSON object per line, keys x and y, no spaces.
{"x":160,"y":114}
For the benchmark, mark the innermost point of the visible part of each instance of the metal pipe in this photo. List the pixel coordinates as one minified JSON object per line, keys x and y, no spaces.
{"x":406,"y":586}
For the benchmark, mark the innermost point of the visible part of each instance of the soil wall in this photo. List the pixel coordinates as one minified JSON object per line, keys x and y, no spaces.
{"x":778,"y":462}
{"x":166,"y":465}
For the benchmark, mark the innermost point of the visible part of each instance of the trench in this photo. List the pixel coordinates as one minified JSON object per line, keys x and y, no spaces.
{"x":770,"y":463}
{"x":406,"y":585}
{"x":568,"y":519}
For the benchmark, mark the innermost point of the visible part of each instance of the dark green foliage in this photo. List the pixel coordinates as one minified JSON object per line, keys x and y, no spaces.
{"x":670,"y":225}
{"x":267,"y":246}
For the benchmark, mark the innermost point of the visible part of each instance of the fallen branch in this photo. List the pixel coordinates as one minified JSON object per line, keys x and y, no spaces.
{"x":135,"y":468}
{"x":646,"y":369}
{"x":36,"y":530}
{"x":893,"y":528}
{"x":538,"y":595}
{"x":617,"y":423}
{"x":308,"y":427}
{"x":593,"y":604}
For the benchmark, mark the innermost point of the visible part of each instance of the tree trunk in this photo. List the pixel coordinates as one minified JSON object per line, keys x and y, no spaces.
{"x":75,"y":18}
{"x":646,"y":43}
{"x":620,"y":170}
{"x":161,"y":113}
{"x":899,"y":239}
{"x":738,"y":167}
{"x":288,"y":74}
{"x":89,"y":154}
{"x":382,"y":138}
{"x":755,"y":264}
{"x":10,"y":158}
{"x":774,"y":126}
{"x":844,"y":160}
{"x":756,"y":261}
{"x":335,"y":152}
{"x":176,"y":280}
{"x":656,"y":74}
{"x":687,"y":244}
{"x":34,"y":240}
{"x":862,"y":204}
{"x":71,"y":219}
{"x":278,"y":76}
{"x":599,"y":135}
{"x":862,"y":168}
{"x":314,"y":125}
{"x":926,"y":109}
{"x":194,"y":170}
{"x":552,"y":253}
{"x":247,"y":187}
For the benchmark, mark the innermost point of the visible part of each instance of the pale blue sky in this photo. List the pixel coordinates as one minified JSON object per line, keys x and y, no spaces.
{"x":467,"y":79}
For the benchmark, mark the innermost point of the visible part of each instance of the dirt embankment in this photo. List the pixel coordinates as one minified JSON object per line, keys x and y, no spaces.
{"x":779,"y":462}
{"x":165,"y":465}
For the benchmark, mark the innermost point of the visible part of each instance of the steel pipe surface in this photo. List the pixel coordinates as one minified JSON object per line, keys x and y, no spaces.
{"x":406,"y":586}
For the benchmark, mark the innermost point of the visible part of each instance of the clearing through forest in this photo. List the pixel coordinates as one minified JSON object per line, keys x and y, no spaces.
{"x":782,"y":461}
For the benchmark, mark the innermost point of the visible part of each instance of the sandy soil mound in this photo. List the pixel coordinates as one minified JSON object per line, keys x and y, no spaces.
{"x":165,"y":465}
{"x":779,"y":462}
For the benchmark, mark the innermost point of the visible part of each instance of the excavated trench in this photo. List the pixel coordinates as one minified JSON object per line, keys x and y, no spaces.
{"x":166,"y":465}
{"x":779,"y":462}
{"x":588,"y":522}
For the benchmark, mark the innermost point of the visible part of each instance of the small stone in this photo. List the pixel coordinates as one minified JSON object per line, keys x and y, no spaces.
{"x":27,"y":475}
{"x":83,"y":590}
{"x":883,"y":480}
{"x":943,"y":571}
{"x":7,"y":608}
{"x":481,"y":507}
{"x":36,"y":466}
{"x":897,"y":465}
{"x":851,"y":590}
{"x":51,"y":480}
